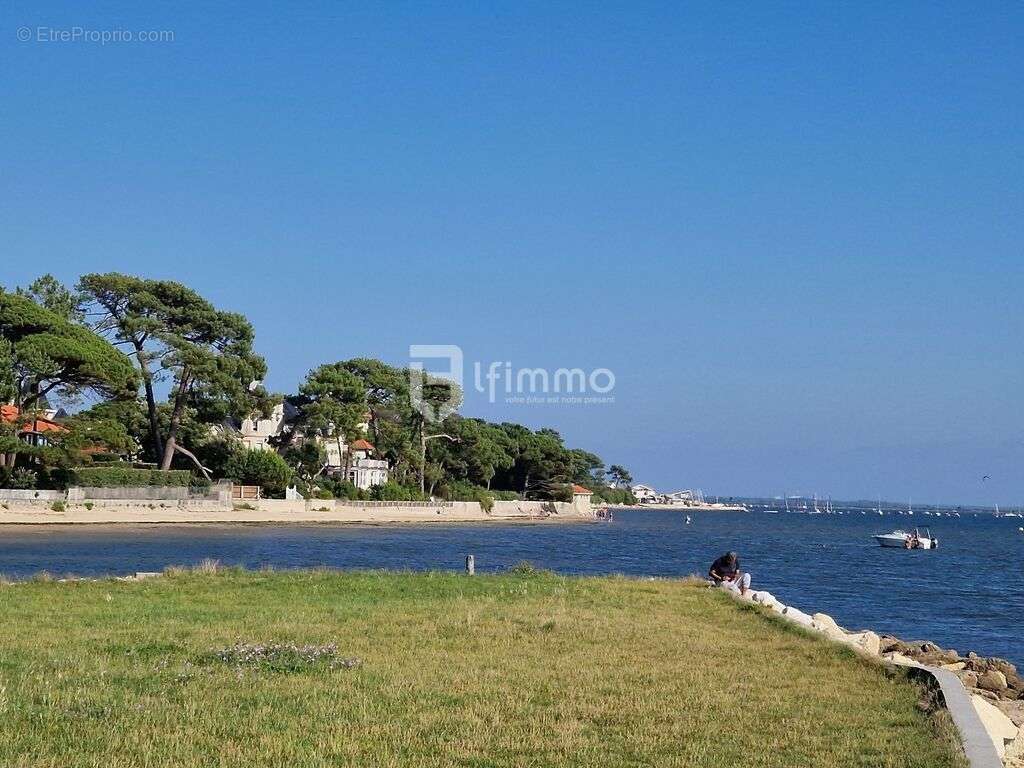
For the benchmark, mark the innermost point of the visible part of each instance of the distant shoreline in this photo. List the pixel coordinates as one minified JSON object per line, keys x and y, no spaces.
{"x":684,"y":507}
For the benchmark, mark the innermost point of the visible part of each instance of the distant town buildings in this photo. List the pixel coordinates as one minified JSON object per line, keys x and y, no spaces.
{"x":644,"y":494}
{"x":687,"y":495}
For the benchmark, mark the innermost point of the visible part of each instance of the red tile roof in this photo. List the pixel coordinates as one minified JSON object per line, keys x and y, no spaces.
{"x":362,"y":445}
{"x":43,"y":425}
{"x":10,"y":414}
{"x":579,"y":490}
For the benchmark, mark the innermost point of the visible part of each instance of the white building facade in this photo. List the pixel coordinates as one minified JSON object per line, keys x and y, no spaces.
{"x":358,"y":462}
{"x":644,"y":494}
{"x":256,"y":431}
{"x":364,"y":470}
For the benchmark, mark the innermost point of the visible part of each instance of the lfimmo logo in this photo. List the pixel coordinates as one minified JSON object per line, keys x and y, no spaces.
{"x":429,"y":408}
{"x":501,"y":380}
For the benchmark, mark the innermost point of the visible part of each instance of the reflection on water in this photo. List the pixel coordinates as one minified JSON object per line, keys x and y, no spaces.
{"x":968,"y":594}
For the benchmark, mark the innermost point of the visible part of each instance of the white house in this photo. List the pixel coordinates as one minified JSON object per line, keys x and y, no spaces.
{"x":256,"y":431}
{"x":681,"y":496}
{"x":357,"y":461}
{"x":364,"y":469}
{"x":644,"y":494}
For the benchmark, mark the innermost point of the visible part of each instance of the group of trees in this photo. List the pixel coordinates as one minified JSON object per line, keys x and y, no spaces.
{"x":113,"y":335}
{"x":453,"y":457}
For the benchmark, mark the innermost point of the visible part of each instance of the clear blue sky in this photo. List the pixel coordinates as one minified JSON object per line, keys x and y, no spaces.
{"x":793,"y":233}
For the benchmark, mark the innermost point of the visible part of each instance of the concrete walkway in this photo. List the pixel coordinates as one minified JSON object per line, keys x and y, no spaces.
{"x":978,"y":745}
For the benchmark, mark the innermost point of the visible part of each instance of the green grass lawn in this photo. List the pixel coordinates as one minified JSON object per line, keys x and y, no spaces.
{"x":510,"y":670}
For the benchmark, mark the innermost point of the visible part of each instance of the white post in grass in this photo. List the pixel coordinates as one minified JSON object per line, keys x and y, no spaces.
{"x":470,"y":565}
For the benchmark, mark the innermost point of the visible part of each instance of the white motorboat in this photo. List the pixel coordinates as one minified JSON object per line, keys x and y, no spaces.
{"x":901,"y":539}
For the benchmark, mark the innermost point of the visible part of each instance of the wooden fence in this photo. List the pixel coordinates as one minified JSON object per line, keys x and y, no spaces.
{"x":244,"y":492}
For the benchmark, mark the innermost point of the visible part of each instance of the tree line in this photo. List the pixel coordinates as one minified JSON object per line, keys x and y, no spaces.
{"x":117,"y":341}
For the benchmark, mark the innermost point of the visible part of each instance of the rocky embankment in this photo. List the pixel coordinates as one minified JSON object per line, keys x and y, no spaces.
{"x":995,"y":686}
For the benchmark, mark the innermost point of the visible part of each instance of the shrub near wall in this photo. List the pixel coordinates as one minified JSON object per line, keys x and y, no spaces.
{"x":614,"y":496}
{"x":462,"y":491}
{"x":264,"y":468}
{"x":129,"y":477}
{"x":392,"y":491}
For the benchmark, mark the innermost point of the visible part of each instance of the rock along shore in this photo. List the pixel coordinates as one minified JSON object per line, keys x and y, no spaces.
{"x":995,"y":687}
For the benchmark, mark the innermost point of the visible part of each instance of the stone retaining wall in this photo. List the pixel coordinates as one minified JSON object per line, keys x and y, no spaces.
{"x":157,"y":493}
{"x":135,"y":493}
{"x":10,"y":494}
{"x":442,"y":510}
{"x":215,"y":509}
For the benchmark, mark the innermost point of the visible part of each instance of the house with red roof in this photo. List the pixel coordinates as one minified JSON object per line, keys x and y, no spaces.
{"x":365,"y":468}
{"x":358,"y":462}
{"x":581,"y":499}
{"x":36,"y":429}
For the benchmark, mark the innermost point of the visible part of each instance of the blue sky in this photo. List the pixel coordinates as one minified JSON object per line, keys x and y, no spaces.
{"x":793,"y":233}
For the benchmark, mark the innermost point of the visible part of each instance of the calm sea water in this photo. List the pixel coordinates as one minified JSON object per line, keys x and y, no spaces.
{"x":968,"y":594}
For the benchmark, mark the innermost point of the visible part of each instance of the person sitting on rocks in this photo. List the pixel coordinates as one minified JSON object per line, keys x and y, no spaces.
{"x":725,"y":572}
